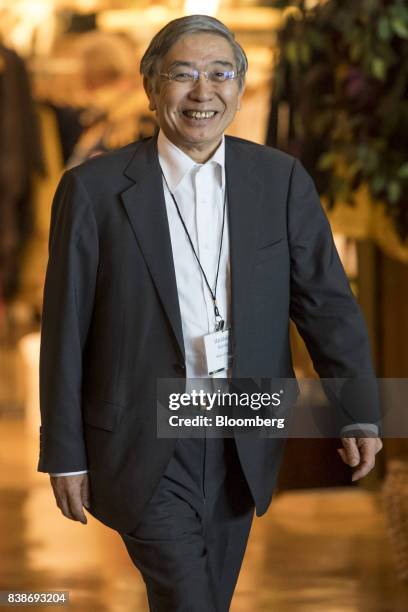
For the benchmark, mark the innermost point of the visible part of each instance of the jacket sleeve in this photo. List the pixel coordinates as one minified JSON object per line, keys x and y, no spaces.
{"x":324,"y":308}
{"x":67,"y":310}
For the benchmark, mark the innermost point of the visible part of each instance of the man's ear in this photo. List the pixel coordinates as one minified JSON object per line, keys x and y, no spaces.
{"x":149,"y":89}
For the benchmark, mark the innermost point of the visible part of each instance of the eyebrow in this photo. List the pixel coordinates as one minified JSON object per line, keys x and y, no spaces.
{"x":177,"y":64}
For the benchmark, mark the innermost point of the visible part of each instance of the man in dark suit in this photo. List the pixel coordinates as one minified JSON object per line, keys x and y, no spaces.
{"x":152,"y":249}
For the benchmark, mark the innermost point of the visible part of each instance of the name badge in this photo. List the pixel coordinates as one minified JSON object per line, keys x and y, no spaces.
{"x":217,"y":351}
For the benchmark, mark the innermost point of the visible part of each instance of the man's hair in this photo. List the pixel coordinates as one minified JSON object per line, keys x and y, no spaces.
{"x":192,"y":24}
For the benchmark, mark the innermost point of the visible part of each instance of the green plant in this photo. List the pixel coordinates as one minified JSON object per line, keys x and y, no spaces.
{"x":343,"y":70}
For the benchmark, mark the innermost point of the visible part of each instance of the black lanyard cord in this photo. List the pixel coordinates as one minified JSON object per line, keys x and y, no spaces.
{"x":218,"y":318}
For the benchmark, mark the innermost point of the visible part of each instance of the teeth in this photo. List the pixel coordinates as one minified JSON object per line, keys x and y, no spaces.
{"x":200,"y":115}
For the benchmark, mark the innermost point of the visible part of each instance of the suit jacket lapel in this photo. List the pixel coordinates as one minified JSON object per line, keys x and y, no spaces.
{"x":145,"y":205}
{"x":146,"y":208}
{"x":244,"y":190}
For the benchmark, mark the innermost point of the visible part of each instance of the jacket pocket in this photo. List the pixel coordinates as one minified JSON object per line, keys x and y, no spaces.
{"x":102,"y":414}
{"x":267,"y":251}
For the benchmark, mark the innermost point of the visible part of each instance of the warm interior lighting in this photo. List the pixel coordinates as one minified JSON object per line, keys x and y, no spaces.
{"x":33,"y":12}
{"x":143,"y":23}
{"x":88,"y":5}
{"x":136,"y":21}
{"x":311,"y":4}
{"x":201,"y":7}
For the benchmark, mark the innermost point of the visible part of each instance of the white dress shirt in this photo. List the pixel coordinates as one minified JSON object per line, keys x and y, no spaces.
{"x":199,"y":190}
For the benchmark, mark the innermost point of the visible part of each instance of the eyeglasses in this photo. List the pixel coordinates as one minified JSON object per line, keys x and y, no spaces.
{"x":192,"y":76}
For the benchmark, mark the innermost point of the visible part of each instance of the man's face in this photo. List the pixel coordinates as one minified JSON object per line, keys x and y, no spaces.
{"x":174,"y":102}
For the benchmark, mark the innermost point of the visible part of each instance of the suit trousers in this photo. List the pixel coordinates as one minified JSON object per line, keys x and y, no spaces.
{"x":191,"y":539}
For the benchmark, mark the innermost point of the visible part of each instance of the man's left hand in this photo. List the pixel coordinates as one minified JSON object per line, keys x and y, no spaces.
{"x":360,"y":453}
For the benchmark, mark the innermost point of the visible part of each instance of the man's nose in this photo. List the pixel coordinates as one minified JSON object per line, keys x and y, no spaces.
{"x":202,"y":88}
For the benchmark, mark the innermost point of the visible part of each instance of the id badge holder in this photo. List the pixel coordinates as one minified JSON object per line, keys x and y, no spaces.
{"x":217,"y":351}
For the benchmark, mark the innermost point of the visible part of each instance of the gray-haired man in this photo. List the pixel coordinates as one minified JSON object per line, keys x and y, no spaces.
{"x":153,"y":248}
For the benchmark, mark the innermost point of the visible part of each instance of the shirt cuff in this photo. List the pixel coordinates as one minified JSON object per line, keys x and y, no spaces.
{"x":362,"y":427}
{"x":68,"y":473}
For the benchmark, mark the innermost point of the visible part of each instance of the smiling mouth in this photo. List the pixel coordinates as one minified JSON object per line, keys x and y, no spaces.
{"x":199,"y":115}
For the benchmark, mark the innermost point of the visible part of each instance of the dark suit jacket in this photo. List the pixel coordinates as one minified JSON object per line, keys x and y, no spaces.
{"x":111,"y":320}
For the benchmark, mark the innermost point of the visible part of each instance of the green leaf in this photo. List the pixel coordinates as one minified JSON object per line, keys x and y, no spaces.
{"x":384,"y":28}
{"x":316,"y":38}
{"x":340,"y":187}
{"x":292,"y":52}
{"x":304,"y":52}
{"x":403,"y":171}
{"x":353,"y":169}
{"x":378,"y":183}
{"x":370,"y":160}
{"x":378,"y":68}
{"x":394,"y":191}
{"x":326,"y":161}
{"x":362,"y":152}
{"x":356,"y":51}
{"x":400,"y":27}
{"x":399,"y":11}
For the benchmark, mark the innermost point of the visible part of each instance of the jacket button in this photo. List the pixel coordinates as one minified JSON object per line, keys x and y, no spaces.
{"x":180,"y":368}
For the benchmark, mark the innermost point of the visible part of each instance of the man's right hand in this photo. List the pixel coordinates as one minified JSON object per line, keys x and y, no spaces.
{"x":72,"y":494}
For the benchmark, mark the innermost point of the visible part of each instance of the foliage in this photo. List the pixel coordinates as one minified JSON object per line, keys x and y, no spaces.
{"x":343,"y":70}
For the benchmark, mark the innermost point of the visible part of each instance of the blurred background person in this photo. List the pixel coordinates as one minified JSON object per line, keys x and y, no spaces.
{"x":20,"y":157}
{"x":116,"y":112}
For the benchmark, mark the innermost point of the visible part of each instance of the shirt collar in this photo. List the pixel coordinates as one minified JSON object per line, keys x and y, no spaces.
{"x":176,"y":164}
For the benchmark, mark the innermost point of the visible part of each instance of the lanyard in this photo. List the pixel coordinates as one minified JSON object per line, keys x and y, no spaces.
{"x":219,"y":321}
